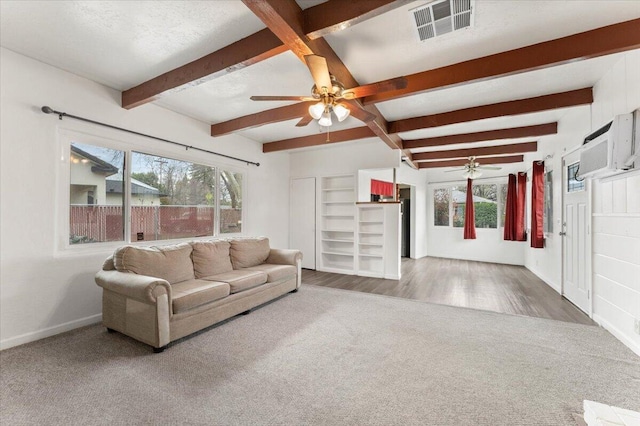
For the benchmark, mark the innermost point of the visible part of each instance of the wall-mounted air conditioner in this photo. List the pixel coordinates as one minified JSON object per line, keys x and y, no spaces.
{"x":609,"y":149}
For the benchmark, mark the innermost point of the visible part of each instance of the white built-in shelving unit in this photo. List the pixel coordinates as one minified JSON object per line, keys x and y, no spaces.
{"x":337,"y":218}
{"x":371,"y":240}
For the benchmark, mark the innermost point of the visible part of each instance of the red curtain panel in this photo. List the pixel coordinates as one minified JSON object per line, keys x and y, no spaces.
{"x":537,"y":205}
{"x":379,"y":187}
{"x":510,"y":210}
{"x":521,"y":234}
{"x":469,"y":215}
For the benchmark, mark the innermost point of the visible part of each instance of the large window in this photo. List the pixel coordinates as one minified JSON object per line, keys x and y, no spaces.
{"x":441,"y":207}
{"x":153,"y":198}
{"x":96,"y":194}
{"x":485,"y":203}
{"x":453,"y":201}
{"x":171,"y":198}
{"x":230,"y":202}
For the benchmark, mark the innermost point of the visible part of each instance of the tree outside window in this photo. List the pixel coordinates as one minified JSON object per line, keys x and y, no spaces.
{"x":230,"y":202}
{"x":441,"y":207}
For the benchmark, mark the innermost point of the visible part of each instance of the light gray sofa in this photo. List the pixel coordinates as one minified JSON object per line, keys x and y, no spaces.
{"x":163,"y":293}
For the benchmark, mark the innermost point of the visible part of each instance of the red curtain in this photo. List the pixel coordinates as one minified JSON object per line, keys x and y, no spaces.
{"x":379,"y":187}
{"x":469,"y":215}
{"x":537,"y":205}
{"x":521,"y":234}
{"x":510,"y":216}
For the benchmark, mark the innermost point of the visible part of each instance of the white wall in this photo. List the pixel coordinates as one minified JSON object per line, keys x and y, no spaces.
{"x":616,"y":215}
{"x":615,"y":209}
{"x":43,"y":290}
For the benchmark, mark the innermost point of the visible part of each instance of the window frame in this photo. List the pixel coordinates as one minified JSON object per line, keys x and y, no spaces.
{"x":67,"y":136}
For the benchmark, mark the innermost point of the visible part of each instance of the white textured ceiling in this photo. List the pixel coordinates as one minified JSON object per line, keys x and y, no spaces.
{"x":122,"y":44}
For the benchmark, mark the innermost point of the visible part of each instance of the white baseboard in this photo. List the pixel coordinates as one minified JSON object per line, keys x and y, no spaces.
{"x":547,"y":281}
{"x":47,"y":332}
{"x":618,"y":334}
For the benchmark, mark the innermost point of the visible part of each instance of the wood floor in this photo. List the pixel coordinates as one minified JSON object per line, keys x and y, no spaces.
{"x":487,"y":286}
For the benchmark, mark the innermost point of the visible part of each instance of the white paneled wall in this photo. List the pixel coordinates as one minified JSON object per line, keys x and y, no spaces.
{"x":616,"y":256}
{"x":616,"y":215}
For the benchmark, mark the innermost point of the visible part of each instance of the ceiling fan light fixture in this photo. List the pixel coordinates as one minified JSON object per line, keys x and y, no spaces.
{"x":472,"y":174}
{"x":341,"y":112}
{"x":325,"y":120}
{"x":316,"y":110}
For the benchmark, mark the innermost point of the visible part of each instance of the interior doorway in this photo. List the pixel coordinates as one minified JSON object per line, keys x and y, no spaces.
{"x":404,"y":192}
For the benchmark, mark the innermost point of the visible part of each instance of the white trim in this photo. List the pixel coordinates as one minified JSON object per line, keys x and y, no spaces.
{"x":617,"y":334}
{"x":49,"y":331}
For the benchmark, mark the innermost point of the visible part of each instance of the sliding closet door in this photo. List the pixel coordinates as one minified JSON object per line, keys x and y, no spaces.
{"x":303,"y":219}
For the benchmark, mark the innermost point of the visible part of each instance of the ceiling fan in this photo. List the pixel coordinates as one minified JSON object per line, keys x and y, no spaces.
{"x":473,"y":169}
{"x":333,"y":97}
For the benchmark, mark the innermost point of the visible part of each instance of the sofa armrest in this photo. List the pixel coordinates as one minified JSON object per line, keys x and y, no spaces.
{"x":140,"y":287}
{"x":284,"y":257}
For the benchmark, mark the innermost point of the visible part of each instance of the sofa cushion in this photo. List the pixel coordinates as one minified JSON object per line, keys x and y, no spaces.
{"x":275,"y":272}
{"x":189,"y":294}
{"x":171,"y":263}
{"x":240,"y":280}
{"x":247,"y":252}
{"x":210,"y":258}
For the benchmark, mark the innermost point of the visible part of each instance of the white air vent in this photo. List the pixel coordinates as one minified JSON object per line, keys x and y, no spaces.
{"x":441,"y":17}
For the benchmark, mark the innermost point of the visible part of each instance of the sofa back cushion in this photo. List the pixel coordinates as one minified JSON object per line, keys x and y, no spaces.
{"x":210,"y":258}
{"x":247,"y":252}
{"x":170,"y":263}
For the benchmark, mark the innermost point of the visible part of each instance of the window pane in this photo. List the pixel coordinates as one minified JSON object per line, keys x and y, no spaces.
{"x":96,"y":194}
{"x":485,"y":203}
{"x":548,"y":202}
{"x":458,"y":201}
{"x":573,"y":184}
{"x":230,"y":202}
{"x":441,"y":207}
{"x":503,"y":203}
{"x":170,"y":198}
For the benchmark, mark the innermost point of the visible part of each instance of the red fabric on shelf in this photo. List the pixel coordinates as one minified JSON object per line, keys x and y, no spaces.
{"x":379,"y":187}
{"x":537,"y":205}
{"x":510,"y":210}
{"x":521,"y":234}
{"x":469,"y":215}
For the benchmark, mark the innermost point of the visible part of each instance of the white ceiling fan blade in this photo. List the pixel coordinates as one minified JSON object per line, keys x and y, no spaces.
{"x":489,"y":167}
{"x":455,"y":170}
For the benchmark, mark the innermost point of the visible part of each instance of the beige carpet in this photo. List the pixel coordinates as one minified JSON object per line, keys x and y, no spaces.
{"x":326,"y":357}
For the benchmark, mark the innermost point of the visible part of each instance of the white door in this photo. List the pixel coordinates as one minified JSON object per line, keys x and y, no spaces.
{"x":576,"y":243}
{"x":303,"y":219}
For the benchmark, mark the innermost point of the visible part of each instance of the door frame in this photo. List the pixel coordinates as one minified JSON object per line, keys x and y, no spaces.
{"x":588,"y":237}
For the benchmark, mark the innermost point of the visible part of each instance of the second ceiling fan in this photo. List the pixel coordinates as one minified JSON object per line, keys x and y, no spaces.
{"x":332,"y":97}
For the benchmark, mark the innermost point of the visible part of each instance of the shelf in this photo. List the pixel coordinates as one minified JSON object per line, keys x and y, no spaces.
{"x":338,"y":202}
{"x":379,"y":256}
{"x":334,"y":253}
{"x":336,"y":240}
{"x":371,"y":233}
{"x":350,"y":231}
{"x":379,"y":222}
{"x":348,"y":188}
{"x":340,"y":215}
{"x":370,"y":244}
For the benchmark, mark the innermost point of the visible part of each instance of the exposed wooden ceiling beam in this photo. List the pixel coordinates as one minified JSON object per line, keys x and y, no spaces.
{"x":337,"y":15}
{"x":516,"y":148}
{"x":248,"y":51}
{"x":275,"y":115}
{"x":286,"y":20}
{"x":254,"y":48}
{"x":590,"y":44}
{"x":512,"y":133}
{"x":462,"y":162}
{"x":520,"y":106}
{"x":318,"y":139}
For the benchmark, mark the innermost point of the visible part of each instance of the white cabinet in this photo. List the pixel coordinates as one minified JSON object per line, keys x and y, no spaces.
{"x":337,"y":218}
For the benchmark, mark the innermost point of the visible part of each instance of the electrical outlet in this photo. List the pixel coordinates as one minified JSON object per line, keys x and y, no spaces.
{"x":637,"y":326}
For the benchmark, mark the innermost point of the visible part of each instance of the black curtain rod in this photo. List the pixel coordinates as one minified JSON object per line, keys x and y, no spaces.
{"x":48,"y":110}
